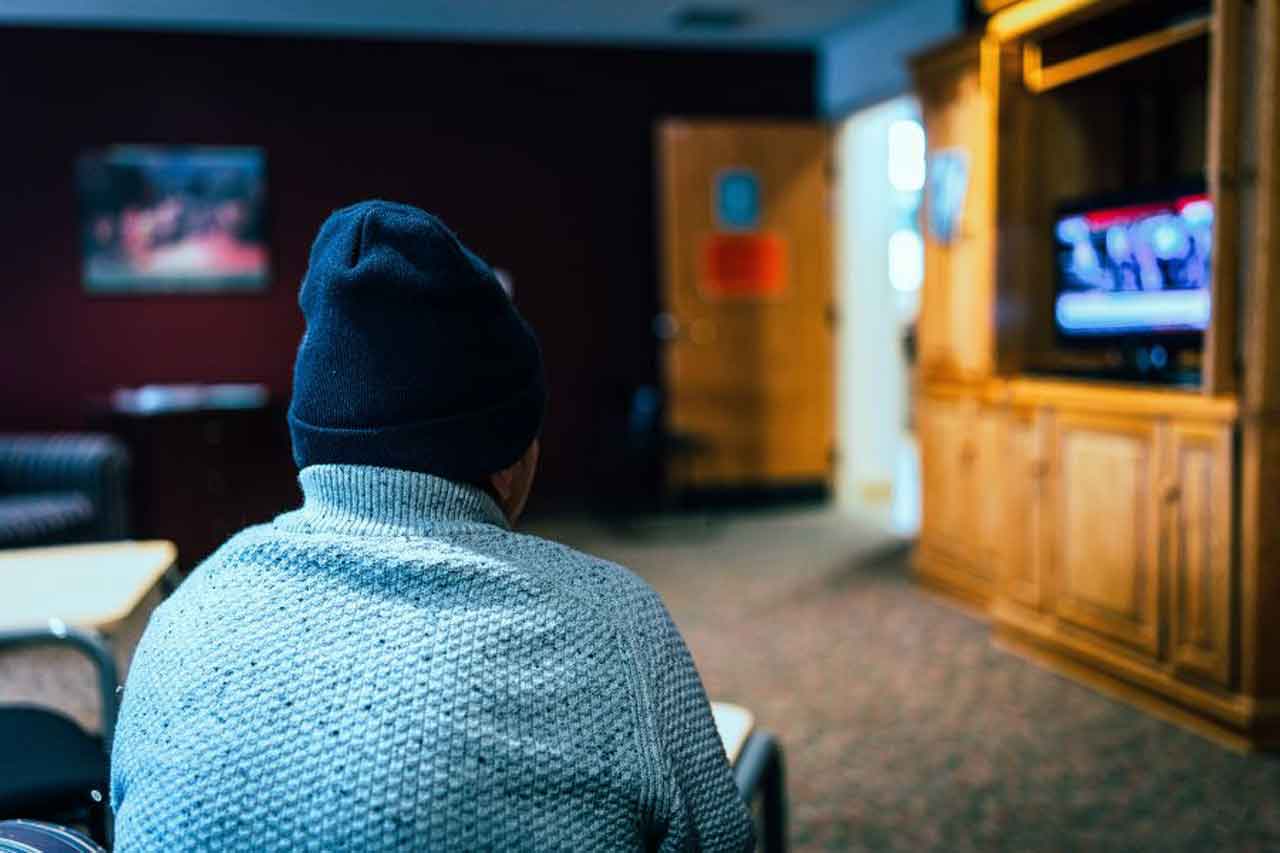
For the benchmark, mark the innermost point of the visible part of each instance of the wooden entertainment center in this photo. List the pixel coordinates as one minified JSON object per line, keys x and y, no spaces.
{"x":1126,"y":534}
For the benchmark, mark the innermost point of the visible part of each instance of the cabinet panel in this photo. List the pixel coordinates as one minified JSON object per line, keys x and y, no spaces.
{"x":986,"y":492}
{"x":932,"y":475}
{"x":960,"y":459}
{"x":1197,"y":550}
{"x":948,"y":454}
{"x":1106,"y":533}
{"x":935,"y":356}
{"x":957,"y":310}
{"x":1024,"y":543}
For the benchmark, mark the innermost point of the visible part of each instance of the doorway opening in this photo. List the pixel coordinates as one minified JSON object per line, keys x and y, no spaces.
{"x":879,"y":271}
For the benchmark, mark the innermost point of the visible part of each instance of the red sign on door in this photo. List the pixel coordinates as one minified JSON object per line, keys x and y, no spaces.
{"x":736,"y":266}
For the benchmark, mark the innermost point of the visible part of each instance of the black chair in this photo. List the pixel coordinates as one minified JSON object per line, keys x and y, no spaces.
{"x":29,"y":836}
{"x":61,"y":488}
{"x":657,"y":453}
{"x":760,"y":775}
{"x":50,"y":768}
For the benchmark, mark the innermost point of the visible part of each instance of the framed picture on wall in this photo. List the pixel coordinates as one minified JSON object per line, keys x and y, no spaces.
{"x":164,"y":219}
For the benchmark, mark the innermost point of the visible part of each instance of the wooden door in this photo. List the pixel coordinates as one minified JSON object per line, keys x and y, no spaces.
{"x":1197,"y":549}
{"x":1025,"y":474}
{"x":1106,"y":534}
{"x":749,"y":364}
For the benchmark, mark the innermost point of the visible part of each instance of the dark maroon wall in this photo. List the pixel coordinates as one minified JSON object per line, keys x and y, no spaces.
{"x":540,"y":157}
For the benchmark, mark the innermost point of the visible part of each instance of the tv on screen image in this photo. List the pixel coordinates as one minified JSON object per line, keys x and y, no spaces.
{"x":173,"y":220}
{"x":1140,"y":268}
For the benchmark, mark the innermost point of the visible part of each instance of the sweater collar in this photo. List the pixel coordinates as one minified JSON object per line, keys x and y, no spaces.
{"x":365,"y":500}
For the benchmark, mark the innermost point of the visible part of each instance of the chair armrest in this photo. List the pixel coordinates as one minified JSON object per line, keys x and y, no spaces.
{"x":94,"y":465}
{"x":88,"y":643}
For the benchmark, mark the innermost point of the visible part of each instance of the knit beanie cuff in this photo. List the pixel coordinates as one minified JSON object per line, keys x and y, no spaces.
{"x":493,"y":439}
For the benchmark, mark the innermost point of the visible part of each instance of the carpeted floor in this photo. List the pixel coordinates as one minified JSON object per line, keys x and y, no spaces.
{"x":904,"y":728}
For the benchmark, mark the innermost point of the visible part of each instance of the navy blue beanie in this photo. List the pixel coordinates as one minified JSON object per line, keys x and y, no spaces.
{"x":414,"y":356}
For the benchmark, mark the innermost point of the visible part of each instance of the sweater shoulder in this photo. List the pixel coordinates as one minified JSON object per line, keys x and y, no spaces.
{"x":541,"y":566}
{"x":579,"y":573}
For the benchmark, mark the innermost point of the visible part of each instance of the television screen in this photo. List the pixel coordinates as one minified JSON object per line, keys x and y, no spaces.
{"x":163,"y":219}
{"x":1138,"y":269}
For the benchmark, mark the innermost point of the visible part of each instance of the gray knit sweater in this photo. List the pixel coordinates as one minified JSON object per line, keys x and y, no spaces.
{"x":391,"y":668}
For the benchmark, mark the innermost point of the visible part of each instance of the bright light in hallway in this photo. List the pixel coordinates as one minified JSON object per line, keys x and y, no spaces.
{"x":906,"y":260}
{"x":906,"y":155}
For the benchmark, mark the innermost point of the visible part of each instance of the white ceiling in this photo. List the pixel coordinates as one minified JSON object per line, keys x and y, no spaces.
{"x":769,"y":23}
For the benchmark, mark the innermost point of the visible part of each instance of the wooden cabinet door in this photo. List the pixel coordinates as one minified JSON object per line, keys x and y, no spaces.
{"x":748,"y":284}
{"x":1197,"y":550}
{"x":934,"y":470}
{"x":1106,"y":534}
{"x":985,"y":492}
{"x":948,"y":453}
{"x":1025,"y":531}
{"x":960,"y":460}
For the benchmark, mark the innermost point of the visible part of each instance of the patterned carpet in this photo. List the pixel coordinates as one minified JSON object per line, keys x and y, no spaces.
{"x":904,"y":728}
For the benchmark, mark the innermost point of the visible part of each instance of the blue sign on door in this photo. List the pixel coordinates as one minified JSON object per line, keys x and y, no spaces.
{"x":737,"y":200}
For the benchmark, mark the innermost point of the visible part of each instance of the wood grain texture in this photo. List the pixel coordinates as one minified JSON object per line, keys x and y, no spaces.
{"x":960,"y":489}
{"x":1014,"y":190}
{"x":1262,"y":381}
{"x":1223,"y":171}
{"x":988,"y":494}
{"x":952,"y":578}
{"x":1106,"y":536}
{"x":1116,"y":398}
{"x":1027,"y":536}
{"x":956,"y":324}
{"x":1196,"y":508}
{"x":1260,"y":434}
{"x":1140,"y":534}
{"x":751,"y":379}
{"x":1260,"y":557}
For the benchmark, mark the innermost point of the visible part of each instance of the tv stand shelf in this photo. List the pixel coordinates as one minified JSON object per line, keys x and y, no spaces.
{"x":1126,"y":532}
{"x":1140,"y":400}
{"x":1184,"y":383}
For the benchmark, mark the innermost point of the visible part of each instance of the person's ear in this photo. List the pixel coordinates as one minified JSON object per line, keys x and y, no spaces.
{"x":511,"y":485}
{"x":504,"y":483}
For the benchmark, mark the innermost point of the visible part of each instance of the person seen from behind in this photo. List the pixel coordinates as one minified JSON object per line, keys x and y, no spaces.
{"x":392,"y":667}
